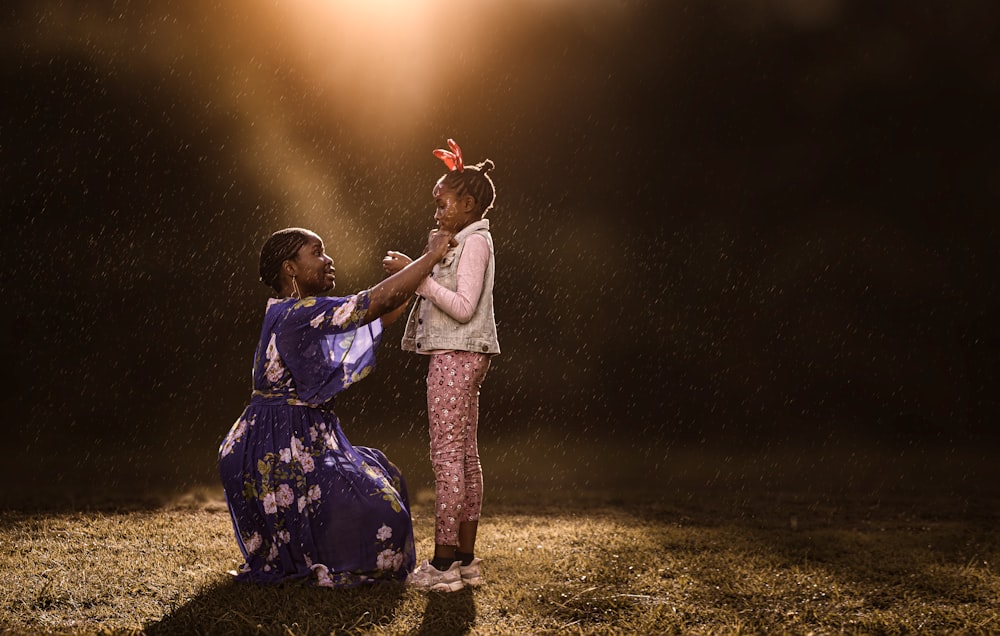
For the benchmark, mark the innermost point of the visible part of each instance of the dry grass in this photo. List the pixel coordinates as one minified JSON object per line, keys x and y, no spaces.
{"x":860,"y":565}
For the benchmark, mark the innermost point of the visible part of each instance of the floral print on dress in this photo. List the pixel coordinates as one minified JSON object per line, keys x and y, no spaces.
{"x":288,"y":466}
{"x":388,"y":558}
{"x":235,"y":435}
{"x":386,"y":489}
{"x":345,"y":314}
{"x":305,"y":502}
{"x":275,"y":371}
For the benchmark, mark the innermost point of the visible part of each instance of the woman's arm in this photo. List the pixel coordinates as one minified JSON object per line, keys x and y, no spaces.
{"x":396,"y":290}
{"x":390,"y":317}
{"x":392,"y":263}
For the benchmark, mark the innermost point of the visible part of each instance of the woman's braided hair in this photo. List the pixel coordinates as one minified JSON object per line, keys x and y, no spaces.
{"x":475,"y":181}
{"x":278,"y":248}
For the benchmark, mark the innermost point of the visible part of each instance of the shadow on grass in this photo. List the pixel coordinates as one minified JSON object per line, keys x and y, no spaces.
{"x":233,"y":607}
{"x":449,"y":613}
{"x":237,"y":608}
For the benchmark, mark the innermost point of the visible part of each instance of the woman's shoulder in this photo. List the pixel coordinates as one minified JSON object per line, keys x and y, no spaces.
{"x":312,"y":305}
{"x":331,"y":312}
{"x":326,"y":301}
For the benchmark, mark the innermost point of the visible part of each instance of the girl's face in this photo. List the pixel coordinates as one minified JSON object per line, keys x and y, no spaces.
{"x":314,"y":272}
{"x":453,"y":212}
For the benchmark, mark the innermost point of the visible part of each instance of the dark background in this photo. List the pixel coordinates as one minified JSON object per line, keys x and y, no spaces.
{"x":754,"y":229}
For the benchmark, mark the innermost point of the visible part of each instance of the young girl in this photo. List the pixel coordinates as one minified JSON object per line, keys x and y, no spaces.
{"x":452,"y":323}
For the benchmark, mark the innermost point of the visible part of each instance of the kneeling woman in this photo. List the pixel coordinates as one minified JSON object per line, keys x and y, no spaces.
{"x":304,"y":501}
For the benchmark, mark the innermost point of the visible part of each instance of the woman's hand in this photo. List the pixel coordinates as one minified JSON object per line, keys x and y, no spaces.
{"x":395,"y":261}
{"x":398,"y":287}
{"x":439,"y":242}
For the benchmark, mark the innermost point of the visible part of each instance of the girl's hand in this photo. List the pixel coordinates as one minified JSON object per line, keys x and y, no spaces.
{"x":395,"y":261}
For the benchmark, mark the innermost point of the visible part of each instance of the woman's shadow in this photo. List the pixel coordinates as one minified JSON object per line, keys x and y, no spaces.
{"x":231,"y":607}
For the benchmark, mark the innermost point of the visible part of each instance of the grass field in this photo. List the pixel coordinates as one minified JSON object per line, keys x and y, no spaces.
{"x":699,"y":556}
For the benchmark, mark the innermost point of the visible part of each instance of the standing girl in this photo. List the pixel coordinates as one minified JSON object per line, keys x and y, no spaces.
{"x":452,"y":323}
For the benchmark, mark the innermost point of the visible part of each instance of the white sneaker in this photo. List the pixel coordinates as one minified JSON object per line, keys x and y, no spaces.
{"x":430,"y":577}
{"x":470,"y":573}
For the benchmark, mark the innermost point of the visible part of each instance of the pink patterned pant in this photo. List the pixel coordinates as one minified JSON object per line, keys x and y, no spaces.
{"x":453,"y":382}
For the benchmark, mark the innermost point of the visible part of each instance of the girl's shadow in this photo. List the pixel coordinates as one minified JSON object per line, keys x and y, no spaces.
{"x":448,"y":613}
{"x":231,"y":607}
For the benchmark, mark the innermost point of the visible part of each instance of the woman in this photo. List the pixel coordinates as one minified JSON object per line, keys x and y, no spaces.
{"x":304,"y":501}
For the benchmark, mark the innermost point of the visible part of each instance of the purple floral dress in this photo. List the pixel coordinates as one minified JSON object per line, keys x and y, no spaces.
{"x":304,"y":501}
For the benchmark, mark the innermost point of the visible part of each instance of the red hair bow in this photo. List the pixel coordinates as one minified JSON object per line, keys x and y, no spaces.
{"x":451,"y":159}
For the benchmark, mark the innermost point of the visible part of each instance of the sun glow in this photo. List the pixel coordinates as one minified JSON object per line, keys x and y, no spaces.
{"x":378,"y":58}
{"x":295,"y":84}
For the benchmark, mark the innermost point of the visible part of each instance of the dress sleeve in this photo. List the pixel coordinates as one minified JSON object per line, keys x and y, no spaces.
{"x":334,"y":315}
{"x":461,"y":303}
{"x":328,"y":345}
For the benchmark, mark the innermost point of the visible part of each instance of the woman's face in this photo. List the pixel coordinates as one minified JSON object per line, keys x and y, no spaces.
{"x":453,"y":212}
{"x":314,"y":272}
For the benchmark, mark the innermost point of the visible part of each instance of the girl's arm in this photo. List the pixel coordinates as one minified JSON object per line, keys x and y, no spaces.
{"x":461,"y":303}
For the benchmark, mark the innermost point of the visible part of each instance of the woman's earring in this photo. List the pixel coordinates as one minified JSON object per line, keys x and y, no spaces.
{"x":295,"y":288}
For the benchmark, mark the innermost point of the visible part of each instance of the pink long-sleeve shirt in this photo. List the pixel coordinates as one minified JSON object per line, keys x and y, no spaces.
{"x":461,"y":303}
